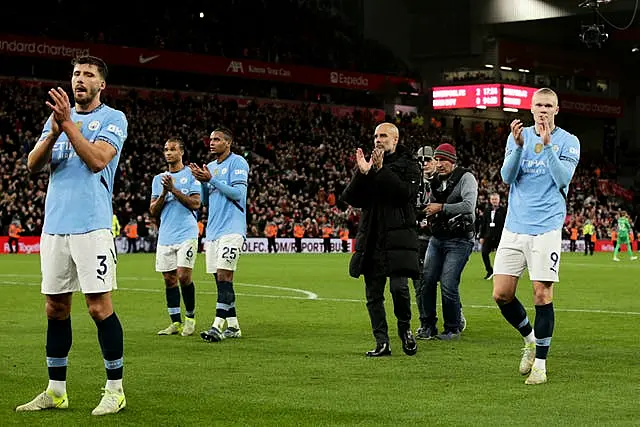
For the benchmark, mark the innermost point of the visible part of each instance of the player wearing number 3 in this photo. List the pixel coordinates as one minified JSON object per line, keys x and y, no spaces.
{"x":175,"y":195}
{"x":82,"y":146}
{"x":539,"y":163}
{"x":224,"y":190}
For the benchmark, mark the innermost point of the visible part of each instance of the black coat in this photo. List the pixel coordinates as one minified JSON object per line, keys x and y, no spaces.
{"x":492,"y":233}
{"x":387,"y":241}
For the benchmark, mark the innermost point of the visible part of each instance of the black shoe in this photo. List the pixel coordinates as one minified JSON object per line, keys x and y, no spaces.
{"x":426,"y":333}
{"x":382,"y":349}
{"x":409,"y":345}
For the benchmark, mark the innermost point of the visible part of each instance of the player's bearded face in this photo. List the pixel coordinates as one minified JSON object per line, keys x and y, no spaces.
{"x":86,"y":83}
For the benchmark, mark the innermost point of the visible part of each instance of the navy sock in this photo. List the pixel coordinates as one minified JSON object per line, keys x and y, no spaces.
{"x":226,"y":300}
{"x":515,"y":314}
{"x":545,"y":319}
{"x":58,"y":346}
{"x":112,"y":343}
{"x":189,"y":298}
{"x":173,"y":303}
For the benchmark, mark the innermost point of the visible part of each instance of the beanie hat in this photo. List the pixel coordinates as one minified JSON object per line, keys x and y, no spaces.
{"x":446,"y":152}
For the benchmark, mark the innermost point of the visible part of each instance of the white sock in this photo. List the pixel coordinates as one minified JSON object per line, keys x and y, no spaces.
{"x":58,"y":388}
{"x":540,"y":364}
{"x":114,"y":385}
{"x":218,"y":323}
{"x":531,"y":338}
{"x":232,"y":322}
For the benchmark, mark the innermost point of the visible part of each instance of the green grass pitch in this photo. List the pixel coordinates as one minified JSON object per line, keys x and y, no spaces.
{"x":301,"y":358}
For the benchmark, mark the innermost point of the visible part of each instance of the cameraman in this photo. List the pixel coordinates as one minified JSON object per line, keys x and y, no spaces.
{"x":425,"y":158}
{"x":451,"y":216}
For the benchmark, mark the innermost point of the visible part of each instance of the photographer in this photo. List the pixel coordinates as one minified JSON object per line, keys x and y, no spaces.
{"x":385,"y":187}
{"x":451,"y":216}
{"x":425,"y":158}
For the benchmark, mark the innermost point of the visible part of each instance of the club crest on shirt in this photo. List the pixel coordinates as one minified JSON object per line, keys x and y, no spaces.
{"x":538,"y":148}
{"x":94,"y":125}
{"x":555,"y":148}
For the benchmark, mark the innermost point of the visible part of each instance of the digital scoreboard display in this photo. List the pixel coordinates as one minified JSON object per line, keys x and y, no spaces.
{"x":468,"y":96}
{"x":517,"y":96}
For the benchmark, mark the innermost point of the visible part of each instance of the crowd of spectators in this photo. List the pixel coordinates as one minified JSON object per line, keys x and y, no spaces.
{"x":282,"y":31}
{"x":301,"y":158}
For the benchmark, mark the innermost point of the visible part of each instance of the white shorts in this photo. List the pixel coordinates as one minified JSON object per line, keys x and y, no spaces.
{"x":78,"y":262}
{"x":170,"y":257}
{"x":540,"y":253}
{"x":223,"y":253}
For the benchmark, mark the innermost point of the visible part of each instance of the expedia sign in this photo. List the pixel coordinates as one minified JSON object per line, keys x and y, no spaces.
{"x":359,"y":81}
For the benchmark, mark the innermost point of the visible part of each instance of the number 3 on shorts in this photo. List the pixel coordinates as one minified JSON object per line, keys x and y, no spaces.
{"x":102,"y":266}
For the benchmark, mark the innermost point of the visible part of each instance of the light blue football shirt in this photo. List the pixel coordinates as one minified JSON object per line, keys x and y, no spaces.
{"x":226,"y":195}
{"x":539,"y":180}
{"x":177,"y":222}
{"x":78,"y":200}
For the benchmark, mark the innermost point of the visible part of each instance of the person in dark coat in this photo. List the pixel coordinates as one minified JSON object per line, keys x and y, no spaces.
{"x":491,"y":227}
{"x":385,"y":188}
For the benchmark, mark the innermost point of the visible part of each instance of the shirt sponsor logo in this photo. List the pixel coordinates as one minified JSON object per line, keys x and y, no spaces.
{"x":116,"y":130}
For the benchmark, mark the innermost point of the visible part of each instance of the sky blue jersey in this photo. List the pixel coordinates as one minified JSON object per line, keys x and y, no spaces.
{"x":539,"y":180}
{"x":177,"y":222}
{"x":78,"y":200}
{"x":226,"y":196}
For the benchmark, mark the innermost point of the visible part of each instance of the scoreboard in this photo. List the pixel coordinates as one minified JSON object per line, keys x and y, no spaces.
{"x":469,"y":96}
{"x":517,"y":96}
{"x":482,"y":96}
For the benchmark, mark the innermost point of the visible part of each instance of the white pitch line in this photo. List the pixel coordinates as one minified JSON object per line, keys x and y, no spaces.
{"x":314,"y":297}
{"x":308,"y":295}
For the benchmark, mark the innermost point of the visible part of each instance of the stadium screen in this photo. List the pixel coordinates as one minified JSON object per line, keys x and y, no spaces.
{"x":517,"y":96}
{"x":468,"y":96}
{"x":482,"y":96}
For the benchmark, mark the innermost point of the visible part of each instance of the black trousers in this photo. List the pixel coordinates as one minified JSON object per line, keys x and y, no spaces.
{"x":132,"y":245}
{"x":271,"y":244}
{"x":327,"y":244}
{"x":298,"y":244}
{"x":488,"y":246}
{"x":374,"y":287}
{"x":589,"y":246}
{"x":572,"y":245}
{"x":423,"y":245}
{"x":13,"y":241}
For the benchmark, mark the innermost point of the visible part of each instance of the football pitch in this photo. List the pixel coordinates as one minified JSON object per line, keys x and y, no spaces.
{"x":301,"y":358}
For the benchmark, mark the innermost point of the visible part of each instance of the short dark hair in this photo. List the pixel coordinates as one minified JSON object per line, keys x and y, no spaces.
{"x":92,"y":60}
{"x":228,"y":135}
{"x":177,"y":140}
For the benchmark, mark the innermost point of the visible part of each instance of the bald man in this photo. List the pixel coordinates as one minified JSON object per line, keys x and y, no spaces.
{"x":385,"y":187}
